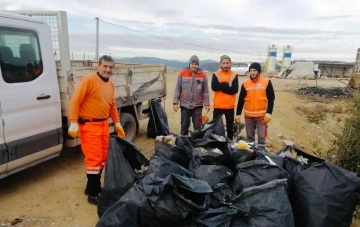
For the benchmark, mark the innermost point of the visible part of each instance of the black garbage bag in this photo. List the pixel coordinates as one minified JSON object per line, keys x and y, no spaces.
{"x":205,"y":158}
{"x":270,"y":158}
{"x":133,"y":209}
{"x":158,"y":123}
{"x":132,"y":154}
{"x":154,"y":201}
{"x":255,"y":173}
{"x":222,"y":195}
{"x":239,"y":156}
{"x":324,"y":195}
{"x":119,"y":174}
{"x":220,"y":217}
{"x":213,"y":174}
{"x":176,"y":154}
{"x":163,"y":167}
{"x":292,"y":149}
{"x":216,"y":217}
{"x":270,"y":205}
{"x":210,"y":144}
{"x":215,"y":125}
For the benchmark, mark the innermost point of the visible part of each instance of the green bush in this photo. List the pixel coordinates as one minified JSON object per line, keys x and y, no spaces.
{"x":345,"y":151}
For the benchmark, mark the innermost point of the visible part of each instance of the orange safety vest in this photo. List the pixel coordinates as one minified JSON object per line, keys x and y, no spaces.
{"x":256,"y":99}
{"x":221,"y":99}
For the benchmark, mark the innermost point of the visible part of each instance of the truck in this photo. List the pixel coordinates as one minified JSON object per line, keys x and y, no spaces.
{"x":37,"y":80}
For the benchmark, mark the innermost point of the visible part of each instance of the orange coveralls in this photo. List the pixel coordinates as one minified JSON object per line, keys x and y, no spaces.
{"x":94,"y":100}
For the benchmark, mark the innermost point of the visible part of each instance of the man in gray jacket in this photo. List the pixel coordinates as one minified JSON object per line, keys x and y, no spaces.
{"x":193,"y":93}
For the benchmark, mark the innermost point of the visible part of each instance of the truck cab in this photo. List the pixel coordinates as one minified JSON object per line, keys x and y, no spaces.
{"x":37,"y":80}
{"x":31,"y":128}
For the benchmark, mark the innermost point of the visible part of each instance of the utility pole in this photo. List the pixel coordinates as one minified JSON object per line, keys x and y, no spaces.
{"x":259,"y":56}
{"x":97,"y":39}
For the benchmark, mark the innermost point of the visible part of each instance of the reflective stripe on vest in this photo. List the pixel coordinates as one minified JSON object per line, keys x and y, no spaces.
{"x":221,"y":99}
{"x":256,"y":100}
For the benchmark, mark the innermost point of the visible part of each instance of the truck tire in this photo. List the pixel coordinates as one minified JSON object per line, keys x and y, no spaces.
{"x":129,"y":124}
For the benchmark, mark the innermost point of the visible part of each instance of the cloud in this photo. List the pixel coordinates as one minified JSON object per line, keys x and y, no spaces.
{"x":334,"y":17}
{"x":322,"y":27}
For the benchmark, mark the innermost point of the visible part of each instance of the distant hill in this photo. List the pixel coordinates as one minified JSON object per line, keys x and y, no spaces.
{"x":211,"y":66}
{"x":205,"y":64}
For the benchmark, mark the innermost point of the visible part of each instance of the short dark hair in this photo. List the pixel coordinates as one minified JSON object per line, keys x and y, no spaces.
{"x":105,"y":58}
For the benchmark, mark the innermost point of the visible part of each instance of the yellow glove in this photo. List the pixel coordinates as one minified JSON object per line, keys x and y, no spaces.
{"x":204,"y":119}
{"x":119,"y":130}
{"x":73,"y":130}
{"x":243,"y":146}
{"x":267,"y":118}
{"x":237,"y":119}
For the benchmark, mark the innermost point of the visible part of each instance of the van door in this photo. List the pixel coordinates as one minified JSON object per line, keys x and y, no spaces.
{"x":4,"y":155}
{"x":29,"y":104}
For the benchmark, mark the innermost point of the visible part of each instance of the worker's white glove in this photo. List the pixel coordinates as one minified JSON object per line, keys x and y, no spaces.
{"x":119,"y":130}
{"x":73,"y":130}
{"x":267,"y":118}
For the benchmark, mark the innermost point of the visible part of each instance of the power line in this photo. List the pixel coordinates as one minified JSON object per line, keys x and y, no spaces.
{"x":168,"y":39}
{"x":153,"y":41}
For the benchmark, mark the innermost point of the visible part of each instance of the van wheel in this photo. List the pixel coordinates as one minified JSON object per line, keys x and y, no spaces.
{"x":247,"y":74}
{"x":129,"y":124}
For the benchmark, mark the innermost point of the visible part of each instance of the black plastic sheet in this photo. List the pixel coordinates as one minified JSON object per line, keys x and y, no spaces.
{"x":158,"y":123}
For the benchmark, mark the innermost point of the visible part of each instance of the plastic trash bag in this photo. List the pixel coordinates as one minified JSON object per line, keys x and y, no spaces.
{"x":158,"y":123}
{"x":222,"y":195}
{"x":255,"y":173}
{"x":298,"y":154}
{"x":213,"y":174}
{"x":270,"y":205}
{"x":270,"y":158}
{"x":206,"y":158}
{"x":163,"y":167}
{"x":119,"y":174}
{"x":221,"y":216}
{"x":175,"y":154}
{"x":239,"y":156}
{"x":324,"y":195}
{"x":216,"y":126}
{"x":154,"y":201}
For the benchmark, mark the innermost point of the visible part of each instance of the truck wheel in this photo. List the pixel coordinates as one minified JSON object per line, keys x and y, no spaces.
{"x":129,"y":124}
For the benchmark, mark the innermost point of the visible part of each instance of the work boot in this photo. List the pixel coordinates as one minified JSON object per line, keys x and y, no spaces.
{"x":86,"y":191}
{"x":93,"y":199}
{"x":93,"y":188}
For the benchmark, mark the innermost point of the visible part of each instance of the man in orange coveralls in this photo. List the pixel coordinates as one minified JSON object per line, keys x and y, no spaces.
{"x":90,"y":107}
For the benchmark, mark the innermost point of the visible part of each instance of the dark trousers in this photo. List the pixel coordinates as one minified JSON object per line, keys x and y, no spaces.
{"x":195,"y":115}
{"x":229,"y":116}
{"x":256,"y":124}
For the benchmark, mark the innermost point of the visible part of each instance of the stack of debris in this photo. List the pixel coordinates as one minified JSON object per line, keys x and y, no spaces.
{"x":329,"y":92}
{"x":207,"y":180}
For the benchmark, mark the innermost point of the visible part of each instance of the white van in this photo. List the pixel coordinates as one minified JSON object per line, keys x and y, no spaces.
{"x":35,"y":90}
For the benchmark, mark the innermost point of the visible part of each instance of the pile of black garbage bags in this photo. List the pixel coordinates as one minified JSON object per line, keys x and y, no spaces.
{"x":203,"y":180}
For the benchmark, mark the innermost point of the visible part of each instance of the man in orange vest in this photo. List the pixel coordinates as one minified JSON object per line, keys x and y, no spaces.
{"x":257,"y":93}
{"x":90,"y":107}
{"x":193,"y":92}
{"x":225,"y":85}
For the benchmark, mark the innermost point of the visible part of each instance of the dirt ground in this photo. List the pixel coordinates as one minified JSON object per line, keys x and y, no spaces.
{"x":52,"y":193}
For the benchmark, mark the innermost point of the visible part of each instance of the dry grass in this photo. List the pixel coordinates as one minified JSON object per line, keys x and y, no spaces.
{"x":314,"y":114}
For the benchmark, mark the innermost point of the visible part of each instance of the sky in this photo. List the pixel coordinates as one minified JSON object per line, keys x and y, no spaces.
{"x":175,"y":30}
